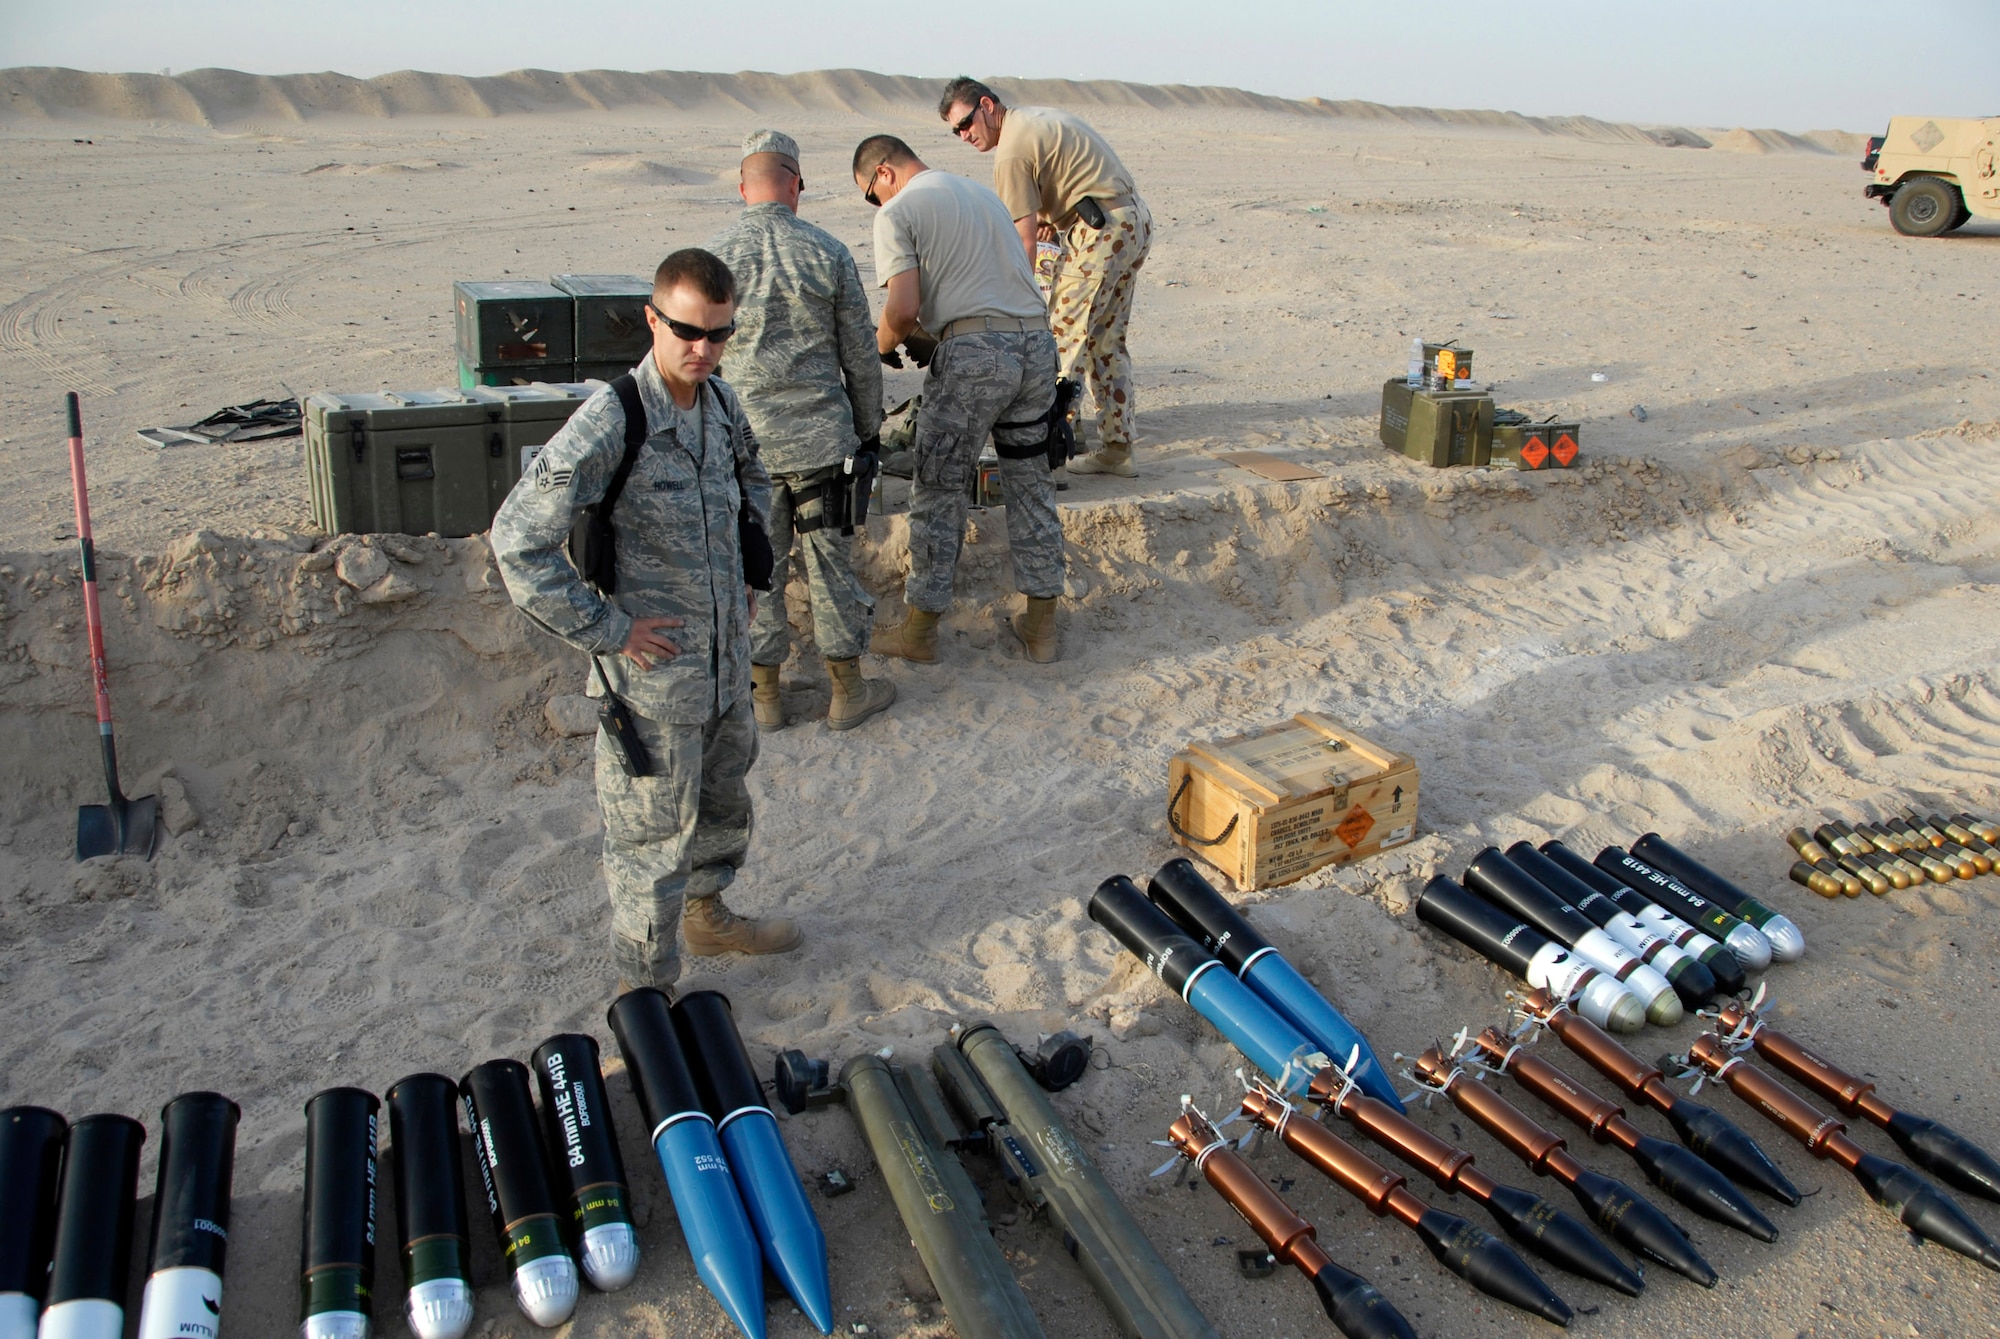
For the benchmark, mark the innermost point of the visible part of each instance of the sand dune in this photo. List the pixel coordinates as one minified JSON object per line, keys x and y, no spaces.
{"x":1843,"y":142}
{"x":1741,"y":140}
{"x":231,"y":97}
{"x":633,"y":168}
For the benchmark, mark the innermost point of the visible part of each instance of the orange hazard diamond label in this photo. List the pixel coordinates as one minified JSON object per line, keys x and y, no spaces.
{"x":1355,"y":827}
{"x":1534,"y":452}
{"x":1564,"y":450}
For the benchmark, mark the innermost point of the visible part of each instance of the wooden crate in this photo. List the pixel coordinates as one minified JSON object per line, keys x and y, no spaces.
{"x":1274,"y":805}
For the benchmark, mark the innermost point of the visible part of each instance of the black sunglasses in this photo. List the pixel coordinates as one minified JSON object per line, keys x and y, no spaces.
{"x":869,"y":194}
{"x":961,"y":127}
{"x":693,"y":334}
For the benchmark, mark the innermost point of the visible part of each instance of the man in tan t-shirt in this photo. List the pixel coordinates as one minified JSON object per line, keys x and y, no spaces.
{"x":1057,"y":175}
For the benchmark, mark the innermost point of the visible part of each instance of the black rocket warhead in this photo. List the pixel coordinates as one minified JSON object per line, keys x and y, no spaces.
{"x":1632,"y":1220}
{"x":1946,"y":1154}
{"x":1728,"y":1149}
{"x":1700,"y":1187}
{"x":1924,"y":1209}
{"x":1357,"y":1307}
{"x":1561,"y":1239}
{"x":1490,"y":1265}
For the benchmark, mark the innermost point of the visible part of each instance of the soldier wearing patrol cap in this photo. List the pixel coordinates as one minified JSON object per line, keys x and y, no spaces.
{"x":803,"y":360}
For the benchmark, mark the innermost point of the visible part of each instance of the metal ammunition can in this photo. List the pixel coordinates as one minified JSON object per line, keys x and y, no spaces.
{"x":1439,"y":428}
{"x":1524,"y":445}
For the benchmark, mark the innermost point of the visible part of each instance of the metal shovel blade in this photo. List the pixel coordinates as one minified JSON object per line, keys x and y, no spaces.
{"x":123,"y":827}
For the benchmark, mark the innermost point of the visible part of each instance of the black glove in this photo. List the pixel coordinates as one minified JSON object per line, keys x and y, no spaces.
{"x":891,"y":359}
{"x":921,"y":347}
{"x":758,"y":560}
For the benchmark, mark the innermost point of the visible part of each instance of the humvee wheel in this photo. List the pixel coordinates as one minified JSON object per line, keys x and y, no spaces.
{"x":1925,"y":207}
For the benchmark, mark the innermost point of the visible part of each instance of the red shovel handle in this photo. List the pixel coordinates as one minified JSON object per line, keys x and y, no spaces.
{"x":91,"y":617}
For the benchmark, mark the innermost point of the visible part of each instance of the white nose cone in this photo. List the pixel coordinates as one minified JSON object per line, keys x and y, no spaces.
{"x":1788,"y":942}
{"x":611,"y":1256}
{"x":335,"y":1325}
{"x":440,"y":1309}
{"x":1751,"y":948}
{"x":546,"y":1290}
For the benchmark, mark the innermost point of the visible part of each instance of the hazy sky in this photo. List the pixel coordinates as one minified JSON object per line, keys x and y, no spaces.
{"x":1792,"y":64}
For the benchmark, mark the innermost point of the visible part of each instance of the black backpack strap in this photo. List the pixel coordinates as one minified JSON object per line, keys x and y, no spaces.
{"x":627,"y":388}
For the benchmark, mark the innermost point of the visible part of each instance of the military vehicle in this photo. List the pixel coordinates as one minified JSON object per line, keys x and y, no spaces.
{"x":1935,"y":173}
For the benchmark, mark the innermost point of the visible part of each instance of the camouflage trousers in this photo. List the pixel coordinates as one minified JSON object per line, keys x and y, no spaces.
{"x":679,"y":833}
{"x":1090,"y":307}
{"x":975,"y":382}
{"x":841,"y":606}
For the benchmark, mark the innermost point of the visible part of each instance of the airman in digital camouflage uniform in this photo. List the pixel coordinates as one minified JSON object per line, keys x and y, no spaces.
{"x":803,"y":359}
{"x":673,"y":641}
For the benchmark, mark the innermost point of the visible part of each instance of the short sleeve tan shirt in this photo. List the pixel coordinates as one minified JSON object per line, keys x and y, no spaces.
{"x":1047,"y":160}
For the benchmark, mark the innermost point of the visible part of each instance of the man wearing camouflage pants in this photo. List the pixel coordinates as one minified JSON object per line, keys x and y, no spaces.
{"x":946,"y":251}
{"x":1058,"y":176}
{"x":803,"y":359}
{"x":673,"y":640}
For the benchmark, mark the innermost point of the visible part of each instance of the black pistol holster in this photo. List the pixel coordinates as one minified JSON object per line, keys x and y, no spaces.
{"x":840,"y":499}
{"x":1058,"y":441}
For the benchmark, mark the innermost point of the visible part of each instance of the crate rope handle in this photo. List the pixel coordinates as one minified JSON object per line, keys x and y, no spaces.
{"x":1187,"y":778}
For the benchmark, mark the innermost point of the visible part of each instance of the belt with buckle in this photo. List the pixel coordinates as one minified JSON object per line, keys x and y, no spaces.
{"x":974,"y":325}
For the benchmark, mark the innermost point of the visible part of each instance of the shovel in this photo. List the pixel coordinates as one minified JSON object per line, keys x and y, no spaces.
{"x":121,"y":827}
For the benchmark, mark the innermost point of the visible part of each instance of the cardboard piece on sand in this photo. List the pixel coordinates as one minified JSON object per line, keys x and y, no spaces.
{"x":1268,"y":465}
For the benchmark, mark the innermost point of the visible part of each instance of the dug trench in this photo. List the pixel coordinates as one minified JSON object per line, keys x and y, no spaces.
{"x":381,"y":853}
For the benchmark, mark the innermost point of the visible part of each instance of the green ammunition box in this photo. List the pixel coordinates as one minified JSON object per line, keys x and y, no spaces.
{"x":526,"y":374}
{"x":1522,"y":445}
{"x":607,"y":371}
{"x":533,"y":415}
{"x":520,"y":328}
{"x":410,"y":462}
{"x":1437,"y":427}
{"x":610,"y":317}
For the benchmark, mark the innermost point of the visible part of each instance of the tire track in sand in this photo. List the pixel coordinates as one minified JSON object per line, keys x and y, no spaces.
{"x":31,"y":325}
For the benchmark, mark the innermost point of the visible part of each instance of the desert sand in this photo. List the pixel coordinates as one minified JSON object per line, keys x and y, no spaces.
{"x":1771,"y":601}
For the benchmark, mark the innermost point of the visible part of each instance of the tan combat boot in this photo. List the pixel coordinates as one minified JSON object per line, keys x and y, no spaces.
{"x":855,"y":699}
{"x":710,"y":928}
{"x":1036,"y":627}
{"x":1108,"y":460}
{"x":764,"y":699}
{"x":915,"y":638}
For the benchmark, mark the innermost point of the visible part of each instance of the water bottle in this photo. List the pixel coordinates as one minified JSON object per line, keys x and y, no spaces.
{"x":1414,"y":377}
